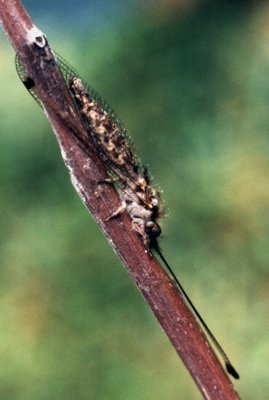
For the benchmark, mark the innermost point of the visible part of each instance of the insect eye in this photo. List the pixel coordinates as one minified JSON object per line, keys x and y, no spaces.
{"x":152,"y":229}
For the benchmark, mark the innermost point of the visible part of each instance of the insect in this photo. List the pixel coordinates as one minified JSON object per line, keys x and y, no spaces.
{"x":138,"y":197}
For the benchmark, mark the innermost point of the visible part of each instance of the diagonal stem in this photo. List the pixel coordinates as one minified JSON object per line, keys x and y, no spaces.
{"x":86,"y":171}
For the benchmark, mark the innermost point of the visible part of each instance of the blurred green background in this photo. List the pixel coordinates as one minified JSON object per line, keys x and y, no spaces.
{"x":190,"y":79}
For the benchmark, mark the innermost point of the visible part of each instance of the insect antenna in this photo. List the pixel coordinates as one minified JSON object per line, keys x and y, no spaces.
{"x":229,"y":367}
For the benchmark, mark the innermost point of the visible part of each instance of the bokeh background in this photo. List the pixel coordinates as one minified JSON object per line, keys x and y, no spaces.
{"x":190,"y":79}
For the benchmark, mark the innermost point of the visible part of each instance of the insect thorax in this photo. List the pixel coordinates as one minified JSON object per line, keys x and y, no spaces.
{"x":143,"y":206}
